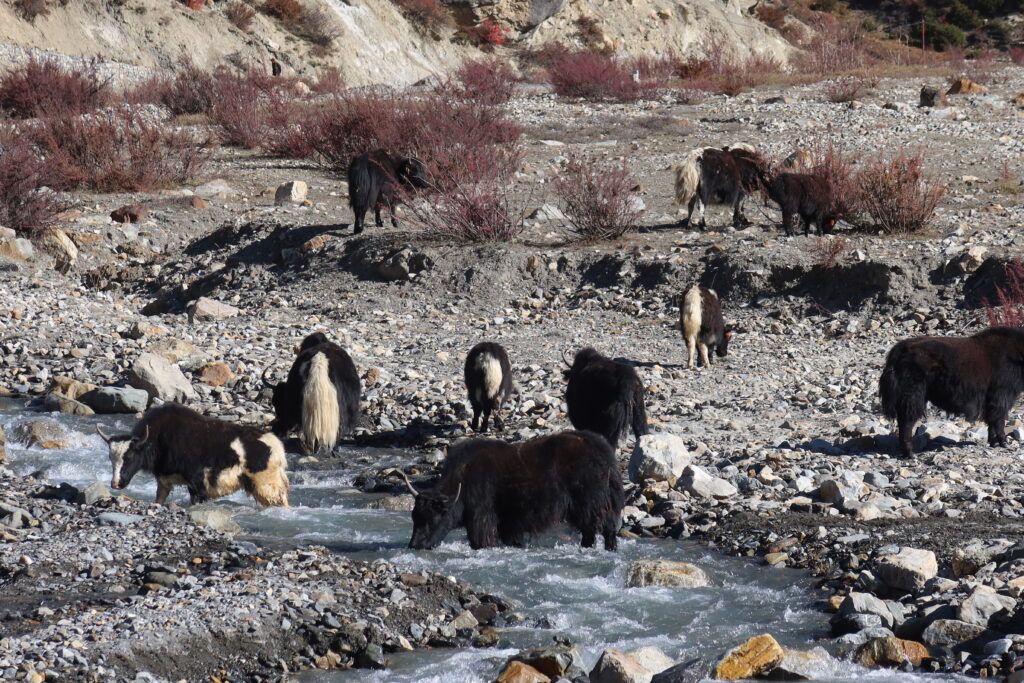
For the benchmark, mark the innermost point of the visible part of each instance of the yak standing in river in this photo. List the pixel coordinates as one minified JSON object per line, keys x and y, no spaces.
{"x":502,"y":493}
{"x":979,"y":377}
{"x":320,"y":397}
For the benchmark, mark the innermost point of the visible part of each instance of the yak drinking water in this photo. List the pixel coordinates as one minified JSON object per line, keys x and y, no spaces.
{"x":488,"y":375}
{"x":502,"y":493}
{"x":375,"y":180}
{"x":604,"y":396}
{"x":979,"y":377}
{"x":211,"y":457}
{"x":320,"y":397}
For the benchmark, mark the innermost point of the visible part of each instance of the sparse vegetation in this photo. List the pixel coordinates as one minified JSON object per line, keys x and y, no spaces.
{"x":429,"y":15}
{"x":597,"y":197}
{"x":465,"y":211}
{"x":1008,"y":308}
{"x":487,"y":81}
{"x":241,"y":14}
{"x":849,"y":88}
{"x":47,"y":88}
{"x":26,"y":205}
{"x":487,"y":34}
{"x":897,"y":194}
{"x":191,"y":91}
{"x":30,"y":9}
{"x":594,"y":76}
{"x":827,"y":251}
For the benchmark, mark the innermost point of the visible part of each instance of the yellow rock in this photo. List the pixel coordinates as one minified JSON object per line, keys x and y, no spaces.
{"x":517,"y":672}
{"x":69,"y":387}
{"x":890,"y":652}
{"x":757,"y":656}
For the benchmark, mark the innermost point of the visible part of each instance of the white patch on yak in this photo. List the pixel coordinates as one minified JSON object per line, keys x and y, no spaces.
{"x":491,"y":369}
{"x":321,"y":414}
{"x":692,"y":318}
{"x":270,"y":486}
{"x":228,"y":479}
{"x":118,"y":449}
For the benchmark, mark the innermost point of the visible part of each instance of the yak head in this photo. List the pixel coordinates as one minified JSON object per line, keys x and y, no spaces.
{"x":285,"y":416}
{"x":412,"y":172}
{"x":315,"y":339}
{"x":584,"y":357}
{"x":434,"y":515}
{"x":129,"y":453}
{"x":723,"y":348}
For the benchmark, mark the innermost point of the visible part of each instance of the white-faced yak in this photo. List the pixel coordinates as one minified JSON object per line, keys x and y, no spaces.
{"x":210,"y":457}
{"x":488,"y":374}
{"x":978,"y":377}
{"x":604,"y":396}
{"x":502,"y":493}
{"x":703,"y":325}
{"x":320,"y":397}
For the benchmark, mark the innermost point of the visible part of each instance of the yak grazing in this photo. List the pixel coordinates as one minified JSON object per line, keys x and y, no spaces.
{"x":320,"y":396}
{"x":502,"y":493}
{"x":979,"y":377}
{"x":688,"y":176}
{"x":375,"y":180}
{"x":488,"y":374}
{"x":211,"y":457}
{"x":808,"y":196}
{"x":703,"y":325}
{"x":604,"y":396}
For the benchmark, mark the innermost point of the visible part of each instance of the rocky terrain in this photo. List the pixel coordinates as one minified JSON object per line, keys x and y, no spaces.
{"x":775,"y":452}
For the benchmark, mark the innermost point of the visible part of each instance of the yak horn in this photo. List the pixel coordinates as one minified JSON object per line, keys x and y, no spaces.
{"x":412,"y":489}
{"x":263,"y":377}
{"x":103,"y":435}
{"x":458,"y":492}
{"x":145,"y":436}
{"x":566,"y":360}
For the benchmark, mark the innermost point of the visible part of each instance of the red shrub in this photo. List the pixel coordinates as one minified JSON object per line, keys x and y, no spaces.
{"x":38,"y":88}
{"x":771,"y":15}
{"x":316,"y":25}
{"x":827,"y":251}
{"x":329,"y":81}
{"x":195,"y":5}
{"x":240,"y":14}
{"x":465,"y":211}
{"x":839,"y":172}
{"x":488,"y":33}
{"x":1009,"y":309}
{"x":241,"y":107}
{"x":116,"y":150}
{"x":192,"y":90}
{"x":25,"y":206}
{"x":897,"y":194}
{"x":722,"y":71}
{"x":430,"y":15}
{"x":285,"y":10}
{"x":596,"y":77}
{"x":286,"y":128}
{"x":487,"y":81}
{"x":849,"y":88}
{"x":597,"y":197}
{"x":1017,"y":55}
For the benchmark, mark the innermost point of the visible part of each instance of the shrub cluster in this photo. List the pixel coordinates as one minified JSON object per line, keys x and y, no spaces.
{"x":897,"y":194}
{"x":47,"y":88}
{"x":487,"y":81}
{"x":26,"y":204}
{"x":428,"y":15}
{"x":240,"y":14}
{"x":597,"y":198}
{"x":1008,"y":308}
{"x":309,"y":21}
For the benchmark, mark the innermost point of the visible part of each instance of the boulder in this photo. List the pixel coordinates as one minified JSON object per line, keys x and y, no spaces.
{"x":965,"y":86}
{"x":661,"y":457}
{"x":140,"y":329}
{"x":858,"y":604}
{"x":216,"y":374}
{"x":616,"y":666}
{"x":130,"y":213}
{"x":907,"y":569}
{"x":956,"y":635}
{"x":757,"y":656}
{"x":692,"y":671}
{"x":205,"y":309}
{"x":520,"y":672}
{"x":555,"y":661}
{"x":403,"y":503}
{"x":972,"y":557}
{"x":981,"y":605}
{"x":890,"y":652}
{"x":173,"y":350}
{"x":801,"y":665}
{"x":45,"y":434}
{"x":58,"y":245}
{"x":114,"y":400}
{"x":55,"y":403}
{"x":215,"y":189}
{"x":292,"y":192}
{"x":14,"y":517}
{"x":697,"y":482}
{"x":643,"y":573}
{"x":93,"y":493}
{"x":160,"y":379}
{"x":16,"y":249}
{"x":464,"y":620}
{"x":69,"y":388}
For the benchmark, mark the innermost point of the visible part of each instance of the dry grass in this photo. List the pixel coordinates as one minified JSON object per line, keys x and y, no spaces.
{"x":240,"y":14}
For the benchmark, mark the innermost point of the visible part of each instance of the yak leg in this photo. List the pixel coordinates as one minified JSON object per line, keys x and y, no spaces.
{"x":376,"y":216}
{"x":499,"y":424}
{"x":704,"y":198}
{"x":476,"y":419}
{"x":487,"y":416}
{"x":394,"y":218}
{"x":197,"y":496}
{"x":704,"y":357}
{"x":739,"y":210}
{"x":737,"y":215}
{"x":997,"y":431}
{"x":689,"y":210}
{"x":360,"y":219}
{"x":787,"y":222}
{"x":906,"y":430}
{"x":691,"y":351}
{"x":481,"y":530}
{"x":589,"y":538}
{"x":610,"y":531}
{"x":163,"y":489}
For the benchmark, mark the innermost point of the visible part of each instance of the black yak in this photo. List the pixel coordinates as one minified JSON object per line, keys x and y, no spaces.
{"x":978,"y":377}
{"x":688,"y":175}
{"x":374,"y":181}
{"x":502,"y":493}
{"x":700,"y":319}
{"x":808,"y":196}
{"x":211,"y":457}
{"x":320,"y":397}
{"x":604,"y":396}
{"x":731,"y":174}
{"x":488,"y":374}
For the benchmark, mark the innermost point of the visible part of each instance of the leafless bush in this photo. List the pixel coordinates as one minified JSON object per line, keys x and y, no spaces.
{"x":1008,"y":309}
{"x":428,"y":15}
{"x":897,"y":194}
{"x":849,"y":88}
{"x":191,"y":90}
{"x":596,"y":196}
{"x":462,"y":210}
{"x":26,"y":205}
{"x":45,"y":87}
{"x":827,"y":251}
{"x":240,"y":14}
{"x":840,"y":172}
{"x":487,"y":81}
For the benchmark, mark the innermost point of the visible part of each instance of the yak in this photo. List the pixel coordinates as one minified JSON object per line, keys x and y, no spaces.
{"x":320,"y":397}
{"x":502,"y":493}
{"x":703,"y":326}
{"x":210,"y":457}
{"x":375,"y":179}
{"x":604,"y":396}
{"x":688,"y":177}
{"x":731,"y":173}
{"x":808,"y":196}
{"x":979,"y":377}
{"x":488,"y":374}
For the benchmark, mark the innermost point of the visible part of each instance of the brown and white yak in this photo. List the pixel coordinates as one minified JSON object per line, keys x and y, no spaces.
{"x":700,"y":318}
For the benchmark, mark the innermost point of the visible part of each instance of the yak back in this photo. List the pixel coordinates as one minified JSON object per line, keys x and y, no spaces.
{"x":343,"y":374}
{"x":184,"y":442}
{"x":369,"y":175}
{"x":712,"y":324}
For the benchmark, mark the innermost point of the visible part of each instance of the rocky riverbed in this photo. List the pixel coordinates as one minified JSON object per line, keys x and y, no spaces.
{"x":775,"y":453}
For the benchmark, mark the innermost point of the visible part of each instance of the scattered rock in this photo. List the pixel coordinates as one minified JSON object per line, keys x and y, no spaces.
{"x":518,"y":672}
{"x":216,"y":374}
{"x":908,"y":569}
{"x":16,"y":249}
{"x":890,"y":652}
{"x":215,"y":517}
{"x":45,"y":434}
{"x":160,"y":379}
{"x":292,"y":192}
{"x":697,"y":482}
{"x":661,"y":457}
{"x":114,"y":400}
{"x":757,"y":656}
{"x":616,"y":666}
{"x":204,"y":309}
{"x":55,"y":403}
{"x":643,"y":573}
{"x":132,"y":213}
{"x":64,"y":252}
{"x":981,"y":605}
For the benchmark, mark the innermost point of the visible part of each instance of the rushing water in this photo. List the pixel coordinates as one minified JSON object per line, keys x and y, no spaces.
{"x":569,"y":591}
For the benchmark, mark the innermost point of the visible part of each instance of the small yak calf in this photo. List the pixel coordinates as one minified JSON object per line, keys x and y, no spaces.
{"x":502,"y":493}
{"x":374,"y":180}
{"x":978,"y":377}
{"x":604,"y":396}
{"x":488,"y":374}
{"x":703,"y":326}
{"x":211,"y":457}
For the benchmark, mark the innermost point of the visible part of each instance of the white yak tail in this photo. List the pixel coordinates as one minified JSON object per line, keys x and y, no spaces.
{"x":321,"y":414}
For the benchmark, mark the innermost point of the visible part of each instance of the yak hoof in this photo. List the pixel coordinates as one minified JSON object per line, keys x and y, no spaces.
{"x":358,"y":230}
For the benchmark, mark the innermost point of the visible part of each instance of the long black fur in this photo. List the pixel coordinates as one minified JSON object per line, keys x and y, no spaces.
{"x":808,"y":196}
{"x":503,"y":493}
{"x":605,"y":397}
{"x":179,"y":441}
{"x":476,"y":386}
{"x":730,"y":175}
{"x":979,"y":377}
{"x":287,"y":397}
{"x":713,"y":332}
{"x":374,"y":180}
